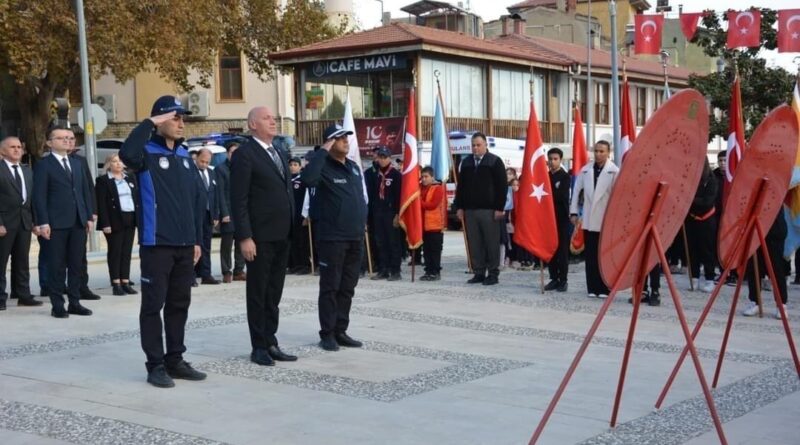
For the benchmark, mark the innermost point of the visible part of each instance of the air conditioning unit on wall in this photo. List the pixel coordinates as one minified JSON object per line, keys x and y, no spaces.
{"x":108,"y":102}
{"x":197,"y":102}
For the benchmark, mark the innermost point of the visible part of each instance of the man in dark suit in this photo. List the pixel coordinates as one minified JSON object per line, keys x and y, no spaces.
{"x":230,"y":271}
{"x":63,"y":207}
{"x":208,"y":185}
{"x":86,"y":293}
{"x":16,"y":221}
{"x":560,"y":182}
{"x":263,"y":229}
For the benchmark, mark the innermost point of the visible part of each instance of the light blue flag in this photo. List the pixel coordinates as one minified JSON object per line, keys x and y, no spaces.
{"x":440,"y":148}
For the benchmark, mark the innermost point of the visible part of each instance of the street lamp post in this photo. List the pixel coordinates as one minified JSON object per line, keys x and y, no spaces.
{"x":86,"y":98}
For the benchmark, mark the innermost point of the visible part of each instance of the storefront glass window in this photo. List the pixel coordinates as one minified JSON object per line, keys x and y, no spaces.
{"x":511,"y":94}
{"x":463,"y":88}
{"x":376,"y":94}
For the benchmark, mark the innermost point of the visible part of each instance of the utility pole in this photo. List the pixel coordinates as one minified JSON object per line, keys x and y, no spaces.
{"x":86,"y":98}
{"x":589,"y":86}
{"x":612,"y":9}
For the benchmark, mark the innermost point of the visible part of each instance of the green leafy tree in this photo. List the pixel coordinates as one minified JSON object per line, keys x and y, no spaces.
{"x":763,"y":88}
{"x":174,"y":38}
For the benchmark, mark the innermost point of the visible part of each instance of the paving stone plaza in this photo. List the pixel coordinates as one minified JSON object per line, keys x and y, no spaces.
{"x":443,"y":363}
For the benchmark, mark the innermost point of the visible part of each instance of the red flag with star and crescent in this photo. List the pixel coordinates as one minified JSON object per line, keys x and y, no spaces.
{"x":410,"y":206}
{"x":535,"y":228}
{"x":744,"y":29}
{"x":789,"y":31}
{"x":736,"y":143}
{"x":647,"y":34}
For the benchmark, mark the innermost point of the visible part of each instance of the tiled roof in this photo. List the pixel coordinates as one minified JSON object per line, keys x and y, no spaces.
{"x":600,"y":59}
{"x":403,"y":34}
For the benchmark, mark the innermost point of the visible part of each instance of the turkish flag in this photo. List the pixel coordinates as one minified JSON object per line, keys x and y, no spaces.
{"x":628,"y":128}
{"x":410,"y":205}
{"x":579,"y":155}
{"x":647,"y":38}
{"x":689,"y":23}
{"x":744,"y":29}
{"x":535,"y":229}
{"x":789,"y":31}
{"x":736,"y":144}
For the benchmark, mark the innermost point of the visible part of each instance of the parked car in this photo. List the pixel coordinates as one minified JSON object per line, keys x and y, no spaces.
{"x":105,"y":148}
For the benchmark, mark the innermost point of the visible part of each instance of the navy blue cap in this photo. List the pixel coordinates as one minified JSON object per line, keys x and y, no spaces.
{"x":167,"y":104}
{"x":295,"y":159}
{"x":382,"y":151}
{"x":335,"y":131}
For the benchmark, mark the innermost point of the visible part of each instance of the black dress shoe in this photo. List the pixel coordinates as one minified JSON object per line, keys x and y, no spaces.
{"x":2,"y":305}
{"x":158,"y":377}
{"x":490,"y":280}
{"x":478,"y":278}
{"x":183,"y":370}
{"x":552,"y":285}
{"x":209,"y":280}
{"x":395,"y":277}
{"x":380,"y":276}
{"x":29,"y":301}
{"x":128,"y":289}
{"x":562,"y":287}
{"x":59,"y":313}
{"x":116,"y":289}
{"x":77,"y":309}
{"x":261,"y":357}
{"x":89,"y":296}
{"x":280,"y":356}
{"x":328,"y":344}
{"x":655,"y":299}
{"x":194,"y":284}
{"x":345,"y":340}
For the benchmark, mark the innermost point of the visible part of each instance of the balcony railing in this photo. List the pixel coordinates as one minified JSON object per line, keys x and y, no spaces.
{"x":310,"y":132}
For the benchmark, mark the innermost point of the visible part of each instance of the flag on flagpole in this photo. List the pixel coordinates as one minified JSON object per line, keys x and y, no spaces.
{"x":536,"y":229}
{"x":440,"y":148}
{"x":354,"y":154}
{"x":579,"y":155}
{"x":689,"y":23}
{"x":792,"y":211}
{"x":736,"y":145}
{"x":410,"y":206}
{"x":628,"y":129}
{"x":647,"y":33}
{"x":789,"y":31}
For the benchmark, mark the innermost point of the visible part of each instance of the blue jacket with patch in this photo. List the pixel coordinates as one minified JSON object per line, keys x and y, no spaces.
{"x":169,"y":197}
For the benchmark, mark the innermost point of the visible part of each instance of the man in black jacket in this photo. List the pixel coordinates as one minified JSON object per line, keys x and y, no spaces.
{"x":384,"y":206}
{"x":86,"y":293}
{"x":299,"y":257}
{"x":262,"y":203}
{"x":230,"y":271}
{"x":342,"y":214}
{"x":560,"y":182}
{"x":16,"y":222}
{"x":169,"y":237}
{"x":480,"y":200}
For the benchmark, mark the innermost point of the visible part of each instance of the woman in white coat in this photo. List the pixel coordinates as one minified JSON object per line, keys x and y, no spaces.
{"x":596,"y":180}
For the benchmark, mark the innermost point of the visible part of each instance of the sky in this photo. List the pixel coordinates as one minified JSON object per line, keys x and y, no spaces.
{"x":368,"y":13}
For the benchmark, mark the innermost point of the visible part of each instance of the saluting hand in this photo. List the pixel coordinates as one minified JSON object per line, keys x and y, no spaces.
{"x":248,"y":248}
{"x":328,"y":144}
{"x":161,"y":118}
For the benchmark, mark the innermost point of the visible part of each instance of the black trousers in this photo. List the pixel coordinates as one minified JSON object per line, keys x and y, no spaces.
{"x":594,"y":281}
{"x":388,"y":242}
{"x":300,"y":253}
{"x":483,"y":238}
{"x":203,"y":267}
{"x":775,"y":249}
{"x":339,"y":263}
{"x":653,"y":280}
{"x":559,"y":264}
{"x":265,"y":277}
{"x":167,"y":275}
{"x":16,"y":245}
{"x":227,"y":245}
{"x":44,"y":260}
{"x":432,"y":251}
{"x":67,"y":251}
{"x":701,"y":235}
{"x":120,"y":245}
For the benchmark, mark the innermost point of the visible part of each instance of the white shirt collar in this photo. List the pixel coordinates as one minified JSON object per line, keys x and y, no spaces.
{"x":59,"y":157}
{"x":11,"y":165}
{"x":263,"y":144}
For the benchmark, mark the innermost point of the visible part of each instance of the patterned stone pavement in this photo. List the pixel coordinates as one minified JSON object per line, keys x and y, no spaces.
{"x":443,"y":362}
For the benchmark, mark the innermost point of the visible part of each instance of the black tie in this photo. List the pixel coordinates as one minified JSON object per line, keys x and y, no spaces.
{"x":18,"y":179}
{"x":274,"y":155}
{"x":205,"y":178}
{"x":66,"y":167}
{"x":477,"y":162}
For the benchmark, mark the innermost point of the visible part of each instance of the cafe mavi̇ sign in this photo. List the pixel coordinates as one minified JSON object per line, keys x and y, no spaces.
{"x":363,"y":64}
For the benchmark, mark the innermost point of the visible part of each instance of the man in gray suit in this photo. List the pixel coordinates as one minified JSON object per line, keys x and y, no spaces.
{"x":16,"y":221}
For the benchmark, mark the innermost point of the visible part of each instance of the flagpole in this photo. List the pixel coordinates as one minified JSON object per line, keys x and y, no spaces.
{"x":455,"y":169}
{"x":311,"y":245}
{"x":589,"y":87}
{"x":541,"y":263}
{"x":612,"y":9}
